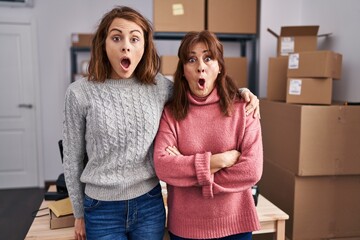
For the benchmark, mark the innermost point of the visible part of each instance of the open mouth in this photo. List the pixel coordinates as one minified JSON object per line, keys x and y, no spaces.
{"x":201,"y":83}
{"x":125,"y":63}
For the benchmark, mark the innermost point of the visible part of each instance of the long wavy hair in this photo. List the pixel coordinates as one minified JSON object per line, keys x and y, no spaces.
{"x":99,"y":65}
{"x":226,"y":87}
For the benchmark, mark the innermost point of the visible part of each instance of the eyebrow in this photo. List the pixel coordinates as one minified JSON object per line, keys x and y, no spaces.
{"x":205,"y":51}
{"x":132,"y":31}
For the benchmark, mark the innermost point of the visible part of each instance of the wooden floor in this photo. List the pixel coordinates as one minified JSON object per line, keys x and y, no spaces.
{"x":16,"y":207}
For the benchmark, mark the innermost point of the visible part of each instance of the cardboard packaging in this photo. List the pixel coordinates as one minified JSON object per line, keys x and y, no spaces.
{"x":296,"y":39}
{"x":277,"y":79}
{"x":232,"y":16}
{"x":315,"y":64}
{"x":61,"y":214}
{"x":312,"y":140}
{"x":179,"y":15}
{"x":62,"y":221}
{"x":237,"y":69}
{"x":81,"y":39}
{"x":168,"y":66}
{"x":319,"y":208}
{"x":309,"y":90}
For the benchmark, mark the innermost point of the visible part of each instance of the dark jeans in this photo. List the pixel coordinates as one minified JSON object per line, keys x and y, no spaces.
{"x":141,"y":218}
{"x":241,"y":236}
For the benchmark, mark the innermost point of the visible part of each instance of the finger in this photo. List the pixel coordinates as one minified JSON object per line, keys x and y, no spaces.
{"x":246,"y":96}
{"x":171,"y":151}
{"x":257,"y":113}
{"x":249,"y":109}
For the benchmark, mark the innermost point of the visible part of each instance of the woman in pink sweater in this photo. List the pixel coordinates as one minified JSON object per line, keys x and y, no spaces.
{"x":207,"y":150}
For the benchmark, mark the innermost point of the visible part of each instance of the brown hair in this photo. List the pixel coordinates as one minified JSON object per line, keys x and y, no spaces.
{"x":226,"y":88}
{"x":99,"y":65}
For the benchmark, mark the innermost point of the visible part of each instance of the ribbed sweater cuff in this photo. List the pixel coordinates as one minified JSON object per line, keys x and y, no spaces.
{"x":207,"y":191}
{"x":202,"y":168}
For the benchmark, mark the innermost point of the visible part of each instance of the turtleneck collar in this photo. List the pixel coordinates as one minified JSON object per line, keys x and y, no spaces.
{"x":213,"y":97}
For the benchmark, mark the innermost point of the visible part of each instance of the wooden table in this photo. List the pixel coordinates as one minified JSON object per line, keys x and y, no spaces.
{"x":272,"y":220}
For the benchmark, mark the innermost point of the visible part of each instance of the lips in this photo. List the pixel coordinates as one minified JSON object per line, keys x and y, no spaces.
{"x":125,"y":62}
{"x":201,"y":83}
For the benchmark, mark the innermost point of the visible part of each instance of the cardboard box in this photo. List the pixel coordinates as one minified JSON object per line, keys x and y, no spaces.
{"x":168,"y":64}
{"x":62,"y":221}
{"x":179,"y":15}
{"x":81,"y":39}
{"x":312,"y":140}
{"x":237,"y":69}
{"x":277,"y":78}
{"x":315,"y":64}
{"x":309,"y":90}
{"x":232,"y":16}
{"x":318,"y":207}
{"x":296,"y":39}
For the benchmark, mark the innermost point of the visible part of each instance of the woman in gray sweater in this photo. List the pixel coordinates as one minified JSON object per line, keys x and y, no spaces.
{"x":113,"y":115}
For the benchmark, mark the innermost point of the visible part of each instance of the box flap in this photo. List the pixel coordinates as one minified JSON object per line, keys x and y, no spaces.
{"x":299,"y":31}
{"x":273,"y":33}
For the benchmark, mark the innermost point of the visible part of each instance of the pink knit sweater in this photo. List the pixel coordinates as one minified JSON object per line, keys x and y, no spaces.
{"x":200,"y":204}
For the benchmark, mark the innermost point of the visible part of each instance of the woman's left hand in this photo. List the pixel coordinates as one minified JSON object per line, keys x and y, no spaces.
{"x":173,"y":151}
{"x":252,"y":103}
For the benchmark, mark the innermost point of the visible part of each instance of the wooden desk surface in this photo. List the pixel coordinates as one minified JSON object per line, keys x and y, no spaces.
{"x":272,"y":219}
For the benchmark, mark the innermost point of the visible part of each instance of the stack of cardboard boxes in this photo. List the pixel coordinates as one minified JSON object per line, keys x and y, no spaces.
{"x":213,"y":15}
{"x":311,"y":153}
{"x":300,"y":73}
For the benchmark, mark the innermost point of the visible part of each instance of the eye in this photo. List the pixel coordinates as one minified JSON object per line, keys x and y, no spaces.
{"x":116,"y":38}
{"x":135,"y":39}
{"x":191,"y":60}
{"x":207,"y":59}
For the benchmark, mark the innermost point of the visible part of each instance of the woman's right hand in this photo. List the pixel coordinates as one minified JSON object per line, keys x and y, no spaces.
{"x":223,"y":160}
{"x":80,"y":229}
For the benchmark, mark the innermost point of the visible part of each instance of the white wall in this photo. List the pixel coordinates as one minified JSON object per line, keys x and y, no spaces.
{"x":342,"y":19}
{"x":273,"y":15}
{"x":57,"y":19}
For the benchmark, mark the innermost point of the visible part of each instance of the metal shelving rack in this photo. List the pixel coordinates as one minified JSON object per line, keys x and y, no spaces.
{"x":73,"y":59}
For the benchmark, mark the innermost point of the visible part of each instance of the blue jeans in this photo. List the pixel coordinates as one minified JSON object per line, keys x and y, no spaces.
{"x":241,"y":236}
{"x":141,"y":218}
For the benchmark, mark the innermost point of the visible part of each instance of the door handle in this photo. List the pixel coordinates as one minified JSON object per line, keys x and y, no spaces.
{"x":24,"y":105}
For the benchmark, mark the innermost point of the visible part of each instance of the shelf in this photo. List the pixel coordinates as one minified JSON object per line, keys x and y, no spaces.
{"x":73,"y":60}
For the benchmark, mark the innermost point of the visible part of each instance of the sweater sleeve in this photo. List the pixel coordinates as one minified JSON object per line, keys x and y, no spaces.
{"x":248,"y":170}
{"x":74,"y":150}
{"x":180,"y":171}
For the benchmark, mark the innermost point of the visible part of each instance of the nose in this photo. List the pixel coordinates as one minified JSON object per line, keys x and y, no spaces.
{"x":125,"y":49}
{"x":201,"y":68}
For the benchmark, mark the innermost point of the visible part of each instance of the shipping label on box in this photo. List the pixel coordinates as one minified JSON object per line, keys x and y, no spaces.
{"x":295,"y":86}
{"x":287,"y":45}
{"x":293,"y":61}
{"x":309,"y":90}
{"x":315,"y":64}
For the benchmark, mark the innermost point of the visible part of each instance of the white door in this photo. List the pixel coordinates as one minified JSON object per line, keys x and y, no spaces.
{"x":18,"y":141}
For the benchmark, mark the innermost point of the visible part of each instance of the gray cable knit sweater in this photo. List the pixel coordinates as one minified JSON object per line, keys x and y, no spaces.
{"x":115,"y":122}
